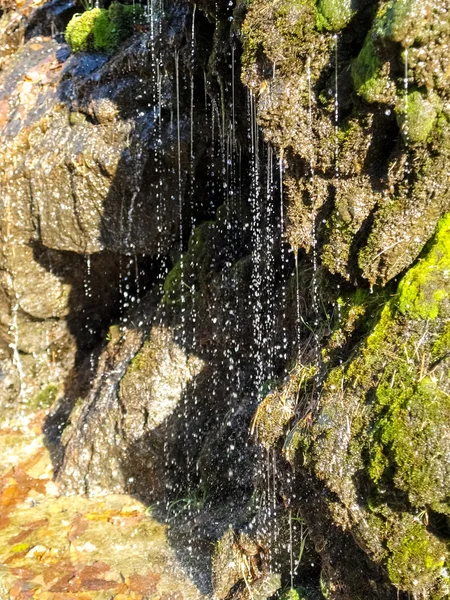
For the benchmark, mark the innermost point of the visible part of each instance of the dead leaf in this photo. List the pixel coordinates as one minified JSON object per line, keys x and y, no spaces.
{"x":20,"y":536}
{"x":13,"y":495}
{"x":25,"y":480}
{"x":98,"y":584}
{"x":16,"y":556}
{"x":4,"y":521}
{"x":91,"y":571}
{"x":78,"y":527}
{"x":68,"y":583}
{"x":58,"y":571}
{"x":15,"y":590}
{"x":23,"y":572}
{"x":33,"y":460}
{"x":144,"y":583}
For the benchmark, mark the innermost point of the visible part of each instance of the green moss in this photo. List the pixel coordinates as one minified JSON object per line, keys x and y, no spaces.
{"x":403,"y":21}
{"x":282,"y":40}
{"x":195,"y":264}
{"x":402,"y":400}
{"x":425,"y":290}
{"x":172,"y":284}
{"x":79,"y":31}
{"x":113,"y":334}
{"x":369,"y":77}
{"x":45,"y":398}
{"x":357,"y":312}
{"x":417,"y":559}
{"x":441,"y":346}
{"x":297,"y":593}
{"x":416,"y":116}
{"x":102,"y":32}
{"x":144,"y":360}
{"x":333,"y":15}
{"x":101,"y":29}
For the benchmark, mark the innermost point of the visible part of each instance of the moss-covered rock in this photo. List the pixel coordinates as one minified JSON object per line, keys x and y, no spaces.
{"x":45,"y":398}
{"x":379,"y":437}
{"x":334,"y":14}
{"x":103,"y":29}
{"x":370,"y":74}
{"x":416,"y":116}
{"x":425,"y":291}
{"x":79,"y":31}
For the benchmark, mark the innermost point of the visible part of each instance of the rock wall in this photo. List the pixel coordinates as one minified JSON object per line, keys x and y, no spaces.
{"x":224,"y":269}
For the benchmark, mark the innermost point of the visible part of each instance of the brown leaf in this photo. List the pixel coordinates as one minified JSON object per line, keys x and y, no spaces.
{"x":78,"y":527}
{"x":144,"y":583}
{"x":23,"y":573}
{"x":98,"y":584}
{"x":68,"y":583}
{"x":12,"y":495}
{"x":16,"y":556}
{"x":26,"y":481}
{"x":15,"y":590}
{"x":20,"y":536}
{"x":58,"y":570}
{"x":94,"y":570}
{"x":4,"y":521}
{"x":33,"y":460}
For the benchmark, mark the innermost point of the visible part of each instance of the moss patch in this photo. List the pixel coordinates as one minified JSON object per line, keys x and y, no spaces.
{"x":416,"y":116}
{"x":334,"y":14}
{"x":370,"y":75}
{"x":79,"y":31}
{"x":103,"y":29}
{"x":425,"y":291}
{"x":417,"y":560}
{"x":45,"y":398}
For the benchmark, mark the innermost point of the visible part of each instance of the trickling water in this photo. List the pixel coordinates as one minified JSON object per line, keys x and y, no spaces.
{"x":314,"y":283}
{"x":336,"y":154}
{"x":291,"y":551}
{"x":406,"y":123}
{"x":88,"y":296}
{"x":180,"y":203}
{"x":297,"y":298}
{"x":284,"y":337}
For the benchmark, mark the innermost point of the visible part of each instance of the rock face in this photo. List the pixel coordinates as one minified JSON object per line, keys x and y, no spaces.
{"x":87,"y":139}
{"x":354,"y":98}
{"x":235,"y":302}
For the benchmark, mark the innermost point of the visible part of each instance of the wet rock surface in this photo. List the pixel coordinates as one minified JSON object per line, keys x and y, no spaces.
{"x":247,"y":337}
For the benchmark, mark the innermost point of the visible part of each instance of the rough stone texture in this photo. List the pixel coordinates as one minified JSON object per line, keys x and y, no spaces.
{"x":164,"y":393}
{"x":86,"y":141}
{"x":389,"y":184}
{"x":367,"y":187}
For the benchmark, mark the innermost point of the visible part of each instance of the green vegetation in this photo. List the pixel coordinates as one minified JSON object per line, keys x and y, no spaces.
{"x":45,"y":398}
{"x":417,"y":559}
{"x":416,"y":116}
{"x":425,"y":290}
{"x":297,"y":593}
{"x":103,"y":29}
{"x":333,"y":14}
{"x":369,"y":79}
{"x":79,"y":30}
